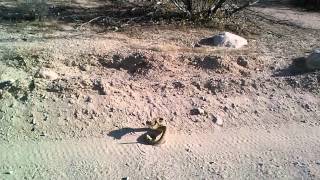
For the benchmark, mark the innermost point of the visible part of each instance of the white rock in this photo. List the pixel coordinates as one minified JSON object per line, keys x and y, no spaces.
{"x":313,"y":60}
{"x":226,"y":39}
{"x":48,"y":74}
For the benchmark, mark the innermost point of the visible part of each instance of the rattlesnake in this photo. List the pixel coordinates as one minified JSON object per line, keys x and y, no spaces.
{"x":158,"y":132}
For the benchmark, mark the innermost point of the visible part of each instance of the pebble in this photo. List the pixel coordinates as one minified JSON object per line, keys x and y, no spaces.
{"x":233,"y":105}
{"x":243,"y":82}
{"x":197,"y":111}
{"x":241,"y":61}
{"x":88,"y":99}
{"x":217,"y":120}
{"x":33,"y":121}
{"x":203,"y":98}
{"x":178,"y":85}
{"x":8,"y":172}
{"x":71,"y":101}
{"x":84,"y":67}
{"x":125,"y":178}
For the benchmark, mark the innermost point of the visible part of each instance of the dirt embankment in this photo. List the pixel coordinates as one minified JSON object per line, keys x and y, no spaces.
{"x":73,"y":101}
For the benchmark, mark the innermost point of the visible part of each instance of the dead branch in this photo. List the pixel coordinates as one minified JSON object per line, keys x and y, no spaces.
{"x":92,"y":20}
{"x":244,"y":6}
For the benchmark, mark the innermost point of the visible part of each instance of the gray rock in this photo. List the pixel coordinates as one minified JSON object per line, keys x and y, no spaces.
{"x":313,"y":60}
{"x":225,"y":39}
{"x":48,"y":74}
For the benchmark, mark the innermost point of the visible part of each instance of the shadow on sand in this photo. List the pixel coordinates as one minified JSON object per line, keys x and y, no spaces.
{"x":118,"y":134}
{"x":298,"y":67}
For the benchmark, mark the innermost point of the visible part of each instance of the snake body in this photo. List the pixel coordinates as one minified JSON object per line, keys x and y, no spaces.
{"x":158,"y":131}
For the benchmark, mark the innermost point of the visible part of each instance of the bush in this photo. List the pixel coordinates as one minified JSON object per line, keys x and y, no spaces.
{"x":208,"y":8}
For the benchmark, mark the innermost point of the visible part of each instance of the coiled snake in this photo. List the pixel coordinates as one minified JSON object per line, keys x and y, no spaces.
{"x":157,"y":133}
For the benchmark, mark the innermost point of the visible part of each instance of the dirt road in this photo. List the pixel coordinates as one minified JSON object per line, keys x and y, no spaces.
{"x":287,"y":152}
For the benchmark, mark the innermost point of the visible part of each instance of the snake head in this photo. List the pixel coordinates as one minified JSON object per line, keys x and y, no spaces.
{"x":155,"y":122}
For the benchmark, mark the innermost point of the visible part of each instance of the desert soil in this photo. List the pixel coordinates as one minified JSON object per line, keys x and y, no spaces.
{"x":74,"y":100}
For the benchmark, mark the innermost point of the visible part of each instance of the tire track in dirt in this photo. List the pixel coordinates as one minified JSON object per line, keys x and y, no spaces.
{"x":216,"y":155}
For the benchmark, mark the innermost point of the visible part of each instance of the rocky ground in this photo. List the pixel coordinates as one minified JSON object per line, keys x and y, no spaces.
{"x":73,"y":97}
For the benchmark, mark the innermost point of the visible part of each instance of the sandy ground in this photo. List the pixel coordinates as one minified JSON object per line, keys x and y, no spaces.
{"x":285,"y":13}
{"x":83,"y":118}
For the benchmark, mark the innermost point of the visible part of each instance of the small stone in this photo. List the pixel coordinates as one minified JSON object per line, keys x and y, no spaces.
{"x":88,"y":99}
{"x":217,"y":120}
{"x":233,"y":105}
{"x":241,"y":61}
{"x":33,"y":121}
{"x":8,"y":172}
{"x":243,"y":82}
{"x":100,"y":87}
{"x":197,"y":111}
{"x":178,"y":85}
{"x":125,"y":178}
{"x":85,"y":111}
{"x":71,"y":101}
{"x":307,"y":106}
{"x":203,"y":98}
{"x":84,"y":67}
{"x":47,"y":74}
